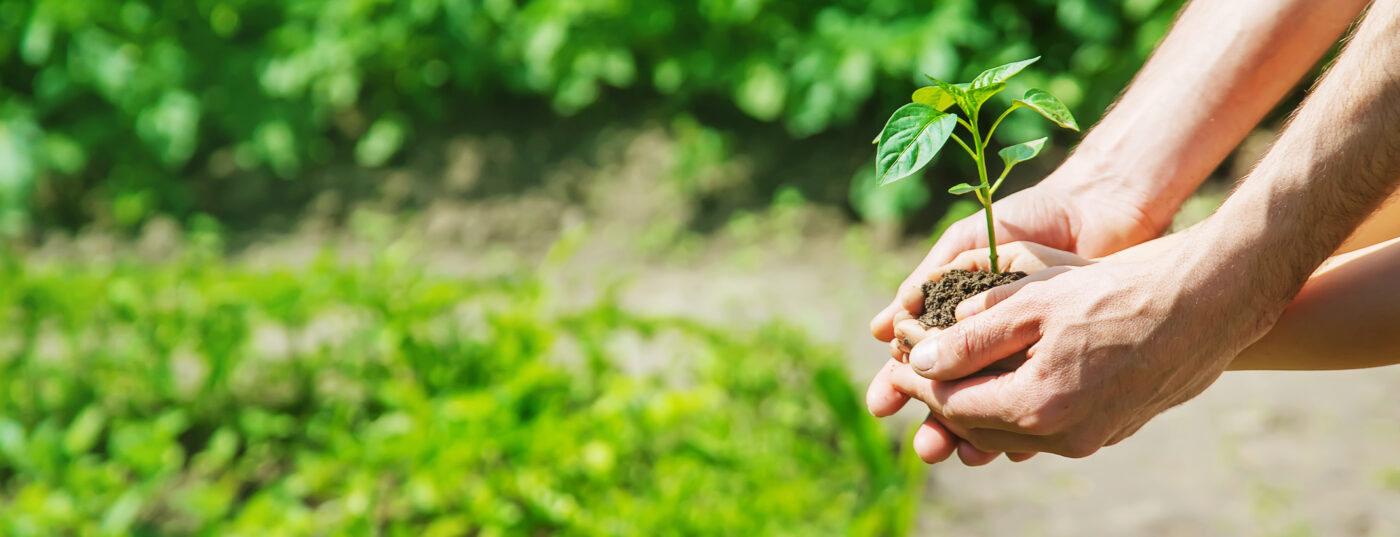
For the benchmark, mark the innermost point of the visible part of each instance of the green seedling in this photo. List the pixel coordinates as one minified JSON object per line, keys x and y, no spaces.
{"x":916,"y":132}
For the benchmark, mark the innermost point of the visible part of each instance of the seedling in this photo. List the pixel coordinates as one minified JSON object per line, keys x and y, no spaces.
{"x":916,"y":132}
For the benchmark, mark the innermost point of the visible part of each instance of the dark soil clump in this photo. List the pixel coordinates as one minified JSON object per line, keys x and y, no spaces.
{"x":942,"y":296}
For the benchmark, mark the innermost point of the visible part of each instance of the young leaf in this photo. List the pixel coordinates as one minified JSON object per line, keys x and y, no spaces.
{"x":976,"y":96}
{"x":1021,"y":152}
{"x":957,"y":91}
{"x":962,"y":188}
{"x":912,"y":136}
{"x":934,"y":96}
{"x":1047,"y":105}
{"x":1001,"y":73}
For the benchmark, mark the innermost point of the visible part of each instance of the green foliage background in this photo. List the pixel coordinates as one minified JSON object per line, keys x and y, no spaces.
{"x":116,"y":109}
{"x":199,"y":398}
{"x":205,"y":397}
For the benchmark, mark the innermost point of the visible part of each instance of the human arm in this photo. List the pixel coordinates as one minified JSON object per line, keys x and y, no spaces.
{"x":1221,"y":68}
{"x":1113,"y":344}
{"x":1345,"y":317}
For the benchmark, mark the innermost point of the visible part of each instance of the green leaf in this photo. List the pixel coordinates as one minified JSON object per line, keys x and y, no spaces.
{"x":977,"y":96}
{"x":957,"y":91}
{"x":911,"y":137}
{"x":1047,"y":105}
{"x":934,"y":96}
{"x":1021,"y":152}
{"x":1001,"y":73}
{"x":962,"y":188}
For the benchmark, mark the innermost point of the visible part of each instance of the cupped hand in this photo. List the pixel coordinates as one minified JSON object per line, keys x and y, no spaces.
{"x":936,"y":440}
{"x":1108,"y":346}
{"x":1090,"y":221}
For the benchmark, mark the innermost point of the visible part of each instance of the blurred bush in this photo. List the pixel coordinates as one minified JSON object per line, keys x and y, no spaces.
{"x":198,"y":398}
{"x":113,"y":107}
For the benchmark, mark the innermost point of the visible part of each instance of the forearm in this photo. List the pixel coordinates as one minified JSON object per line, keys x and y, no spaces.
{"x":1334,"y":163}
{"x":1343,"y":318}
{"x":1381,"y":226}
{"x":1222,"y":67}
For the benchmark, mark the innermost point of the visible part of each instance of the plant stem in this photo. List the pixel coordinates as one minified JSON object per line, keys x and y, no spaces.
{"x":991,"y":237}
{"x":985,"y":193}
{"x":964,"y":145}
{"x":998,"y":122}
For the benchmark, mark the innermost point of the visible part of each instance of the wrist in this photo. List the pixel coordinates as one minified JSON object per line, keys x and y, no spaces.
{"x":1088,"y":174}
{"x":1233,"y":259}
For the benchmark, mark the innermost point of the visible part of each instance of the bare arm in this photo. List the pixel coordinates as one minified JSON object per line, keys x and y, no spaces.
{"x":1344,"y":318}
{"x":1333,"y":165}
{"x":1223,"y":66}
{"x":1115,"y":343}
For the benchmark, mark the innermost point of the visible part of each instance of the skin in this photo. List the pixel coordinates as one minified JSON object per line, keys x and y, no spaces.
{"x":1131,"y":173}
{"x":1342,"y":318}
{"x":1319,"y":330}
{"x":1111,"y":345}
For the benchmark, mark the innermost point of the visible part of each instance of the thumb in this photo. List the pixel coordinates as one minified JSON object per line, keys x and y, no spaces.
{"x":976,"y":342}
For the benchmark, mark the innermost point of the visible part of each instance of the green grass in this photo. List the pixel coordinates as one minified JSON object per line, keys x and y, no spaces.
{"x":203,"y":398}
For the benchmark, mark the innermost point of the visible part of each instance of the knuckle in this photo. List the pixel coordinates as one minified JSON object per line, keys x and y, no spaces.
{"x":954,"y":412}
{"x":1043,"y":415}
{"x":1037,"y":423}
{"x":956,"y":345}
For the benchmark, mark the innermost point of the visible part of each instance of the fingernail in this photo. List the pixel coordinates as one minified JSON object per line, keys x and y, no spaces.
{"x":922,"y":357}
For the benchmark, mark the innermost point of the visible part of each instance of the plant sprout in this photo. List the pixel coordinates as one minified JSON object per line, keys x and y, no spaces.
{"x":916,"y":132}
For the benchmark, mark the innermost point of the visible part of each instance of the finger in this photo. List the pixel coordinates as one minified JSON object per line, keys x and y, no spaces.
{"x":882,"y":399}
{"x":980,"y":259}
{"x":977,"y":341}
{"x":962,"y":235}
{"x":1024,"y":256}
{"x":1010,"y":442}
{"x":1032,"y":257}
{"x":984,"y":402}
{"x":910,"y":332}
{"x":1019,"y":457}
{"x":910,"y":298}
{"x":897,"y":352}
{"x":882,"y":325}
{"x":933,"y":443}
{"x":983,"y":301}
{"x":967,"y":452}
{"x":972,"y":403}
{"x":972,"y":456}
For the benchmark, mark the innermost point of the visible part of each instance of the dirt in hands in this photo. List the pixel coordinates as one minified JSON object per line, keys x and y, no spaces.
{"x":942,"y":296}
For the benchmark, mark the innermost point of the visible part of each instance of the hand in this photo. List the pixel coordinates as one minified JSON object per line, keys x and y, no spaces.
{"x":1108,"y":346}
{"x":1090,"y":221}
{"x":934,"y":442}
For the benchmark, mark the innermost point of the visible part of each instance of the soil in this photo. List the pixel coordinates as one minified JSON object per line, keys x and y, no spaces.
{"x":942,"y":296}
